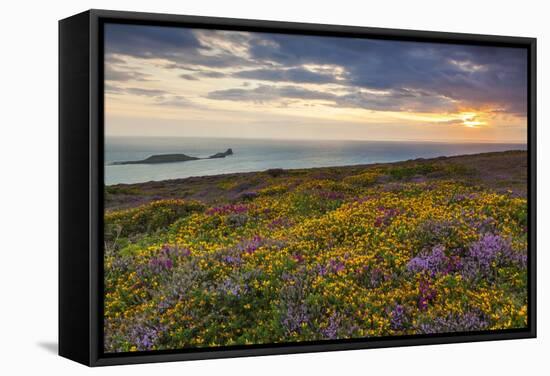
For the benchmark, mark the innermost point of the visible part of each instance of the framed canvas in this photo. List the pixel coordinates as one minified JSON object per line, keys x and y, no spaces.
{"x":235,"y":187}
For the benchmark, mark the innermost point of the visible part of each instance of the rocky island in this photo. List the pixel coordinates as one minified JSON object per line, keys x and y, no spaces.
{"x":222,"y":155}
{"x":171,"y":158}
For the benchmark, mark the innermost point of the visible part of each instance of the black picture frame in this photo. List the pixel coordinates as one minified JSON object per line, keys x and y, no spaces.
{"x":81,"y":185}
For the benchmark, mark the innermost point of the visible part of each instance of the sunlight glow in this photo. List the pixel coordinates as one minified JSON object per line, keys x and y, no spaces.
{"x":471,"y":119}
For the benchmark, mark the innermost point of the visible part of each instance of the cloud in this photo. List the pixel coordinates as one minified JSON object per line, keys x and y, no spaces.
{"x":374,"y":74}
{"x":146,"y":92}
{"x":151,"y":93}
{"x":148,"y":41}
{"x":398,"y":100}
{"x":112,"y":89}
{"x":124,"y":74}
{"x":113,"y":59}
{"x":482,"y":75}
{"x":178,"y":45}
{"x":176,"y":101}
{"x":295,"y":75}
{"x":189,"y":77}
{"x":451,"y":122}
{"x":157,"y":97}
{"x":268,"y":93}
{"x":195,"y":75}
{"x":180,"y":66}
{"x":212,"y":74}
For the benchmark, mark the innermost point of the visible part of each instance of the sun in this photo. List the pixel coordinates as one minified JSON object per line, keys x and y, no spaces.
{"x":472,"y":123}
{"x":471,"y":119}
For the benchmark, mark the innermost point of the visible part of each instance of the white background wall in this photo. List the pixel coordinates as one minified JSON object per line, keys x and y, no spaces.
{"x":28,"y":186}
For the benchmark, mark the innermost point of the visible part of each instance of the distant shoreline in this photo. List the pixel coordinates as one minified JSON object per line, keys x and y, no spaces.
{"x":312,"y":169}
{"x":461,"y":142}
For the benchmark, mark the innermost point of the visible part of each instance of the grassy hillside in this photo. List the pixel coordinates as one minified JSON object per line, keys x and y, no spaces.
{"x":416,"y":247}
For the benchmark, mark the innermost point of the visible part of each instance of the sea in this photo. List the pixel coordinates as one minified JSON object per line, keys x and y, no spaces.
{"x":259,"y":154}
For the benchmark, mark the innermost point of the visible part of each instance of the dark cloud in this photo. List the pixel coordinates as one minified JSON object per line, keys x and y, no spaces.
{"x":212,"y":74}
{"x":146,"y":92}
{"x":297,"y":75}
{"x":148,"y":41}
{"x":194,"y":76}
{"x":189,"y":77}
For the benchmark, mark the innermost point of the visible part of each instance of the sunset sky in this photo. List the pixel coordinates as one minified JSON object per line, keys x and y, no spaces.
{"x":164,"y":81}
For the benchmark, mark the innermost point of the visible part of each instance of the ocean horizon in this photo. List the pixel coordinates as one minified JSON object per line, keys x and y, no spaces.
{"x":262,"y":154}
